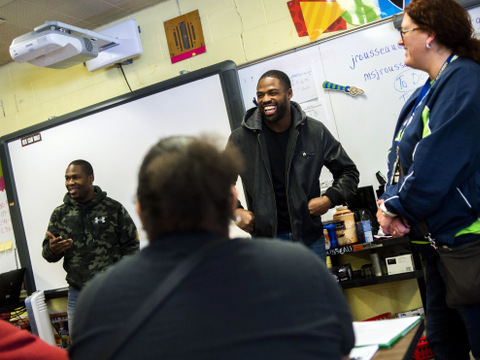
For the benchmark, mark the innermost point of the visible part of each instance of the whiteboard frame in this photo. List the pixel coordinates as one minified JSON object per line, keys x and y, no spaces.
{"x":227,"y":72}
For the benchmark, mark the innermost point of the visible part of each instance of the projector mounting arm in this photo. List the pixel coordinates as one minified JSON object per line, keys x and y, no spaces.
{"x":103,"y":41}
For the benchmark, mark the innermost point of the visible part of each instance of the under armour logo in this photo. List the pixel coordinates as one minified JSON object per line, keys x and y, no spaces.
{"x":102,"y":219}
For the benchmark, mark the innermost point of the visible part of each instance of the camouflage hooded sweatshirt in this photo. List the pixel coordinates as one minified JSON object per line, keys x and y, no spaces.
{"x":102,"y":232}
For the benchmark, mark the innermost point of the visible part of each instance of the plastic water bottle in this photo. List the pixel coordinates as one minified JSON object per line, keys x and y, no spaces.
{"x":366,"y":226}
{"x":330,"y":227}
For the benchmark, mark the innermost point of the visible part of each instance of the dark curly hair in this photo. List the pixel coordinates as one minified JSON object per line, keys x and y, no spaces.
{"x":185,"y":183}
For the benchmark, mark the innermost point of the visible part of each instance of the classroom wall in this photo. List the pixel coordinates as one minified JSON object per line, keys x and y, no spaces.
{"x":238,"y":30}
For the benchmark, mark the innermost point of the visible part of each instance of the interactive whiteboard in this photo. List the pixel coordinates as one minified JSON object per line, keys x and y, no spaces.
{"x":113,"y":136}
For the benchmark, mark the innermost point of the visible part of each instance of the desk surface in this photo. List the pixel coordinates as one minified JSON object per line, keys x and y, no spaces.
{"x":403,"y":348}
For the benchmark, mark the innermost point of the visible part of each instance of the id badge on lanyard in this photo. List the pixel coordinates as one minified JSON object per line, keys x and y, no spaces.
{"x":397,"y":167}
{"x":397,"y":170}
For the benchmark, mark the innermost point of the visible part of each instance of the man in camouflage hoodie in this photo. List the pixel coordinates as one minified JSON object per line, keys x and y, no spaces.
{"x":89,"y":230}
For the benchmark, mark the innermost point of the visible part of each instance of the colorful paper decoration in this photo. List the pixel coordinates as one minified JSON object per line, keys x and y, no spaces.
{"x":338,"y":25}
{"x":391,"y":7}
{"x":315,"y":17}
{"x":360,"y":12}
{"x":319,"y":16}
{"x":297,"y":17}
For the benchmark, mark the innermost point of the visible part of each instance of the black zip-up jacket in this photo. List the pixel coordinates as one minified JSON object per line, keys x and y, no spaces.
{"x":310,"y":147}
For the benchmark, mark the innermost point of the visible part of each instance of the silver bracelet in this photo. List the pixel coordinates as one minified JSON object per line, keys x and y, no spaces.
{"x":386,"y":212}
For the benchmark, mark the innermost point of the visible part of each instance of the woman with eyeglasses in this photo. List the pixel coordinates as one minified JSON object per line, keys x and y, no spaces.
{"x":434,"y":162}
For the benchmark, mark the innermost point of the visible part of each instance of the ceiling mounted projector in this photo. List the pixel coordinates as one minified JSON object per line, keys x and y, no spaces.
{"x":59,"y":46}
{"x":52,"y":49}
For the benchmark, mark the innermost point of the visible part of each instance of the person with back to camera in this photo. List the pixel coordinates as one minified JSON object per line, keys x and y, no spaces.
{"x":285,"y":151}
{"x":20,"y":344}
{"x":434,"y":162}
{"x":245,"y":300}
{"x":89,"y":230}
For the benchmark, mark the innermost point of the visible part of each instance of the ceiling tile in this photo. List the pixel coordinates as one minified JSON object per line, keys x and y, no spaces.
{"x":4,"y":2}
{"x":134,"y":6}
{"x":83,"y":9}
{"x":48,"y":4}
{"x":22,"y":13}
{"x":22,"y":16}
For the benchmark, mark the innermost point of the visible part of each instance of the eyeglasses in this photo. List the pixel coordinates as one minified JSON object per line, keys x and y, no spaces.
{"x":403,"y":32}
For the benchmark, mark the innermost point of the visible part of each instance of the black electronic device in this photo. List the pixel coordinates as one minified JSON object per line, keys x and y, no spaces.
{"x":364,"y":202}
{"x":382,"y":180}
{"x":10,"y":287}
{"x":342,"y":273}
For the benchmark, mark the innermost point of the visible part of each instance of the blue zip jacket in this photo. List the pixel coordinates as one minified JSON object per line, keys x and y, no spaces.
{"x":439,"y":151}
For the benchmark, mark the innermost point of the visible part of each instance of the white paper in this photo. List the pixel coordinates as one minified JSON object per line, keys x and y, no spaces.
{"x":382,"y":332}
{"x":363,"y":352}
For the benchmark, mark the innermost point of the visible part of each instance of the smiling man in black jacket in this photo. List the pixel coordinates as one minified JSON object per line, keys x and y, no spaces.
{"x":285,"y":151}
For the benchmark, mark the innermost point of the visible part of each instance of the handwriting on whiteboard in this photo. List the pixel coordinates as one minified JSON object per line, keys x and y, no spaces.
{"x":5,"y":222}
{"x":371,"y":54}
{"x":407,"y":81}
{"x":303,"y":85}
{"x":476,"y":25}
